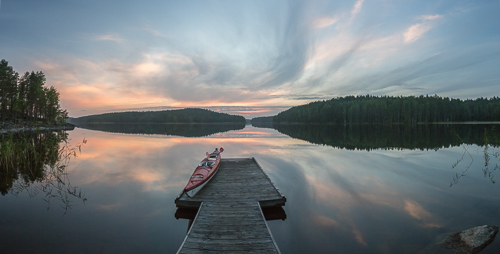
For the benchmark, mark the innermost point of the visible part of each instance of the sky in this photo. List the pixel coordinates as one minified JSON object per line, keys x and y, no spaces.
{"x":253,"y":58}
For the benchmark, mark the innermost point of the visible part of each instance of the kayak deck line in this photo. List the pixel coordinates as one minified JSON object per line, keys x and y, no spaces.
{"x":232,"y":210}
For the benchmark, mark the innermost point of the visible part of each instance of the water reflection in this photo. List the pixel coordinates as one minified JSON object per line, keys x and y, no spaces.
{"x":183,"y":130}
{"x":36,"y":162}
{"x":339,"y":200}
{"x":395,"y":136}
{"x":491,"y":139}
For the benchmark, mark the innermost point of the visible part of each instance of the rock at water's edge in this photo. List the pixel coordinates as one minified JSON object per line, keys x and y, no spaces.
{"x":472,"y":240}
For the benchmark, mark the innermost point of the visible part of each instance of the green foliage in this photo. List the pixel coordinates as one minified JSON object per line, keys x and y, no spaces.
{"x":386,"y":109}
{"x":188,"y":115}
{"x":36,"y":162}
{"x":26,"y":98}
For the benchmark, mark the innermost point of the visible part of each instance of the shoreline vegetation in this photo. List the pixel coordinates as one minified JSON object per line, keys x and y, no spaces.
{"x":387,"y":109}
{"x":36,"y":163}
{"x":12,"y":128}
{"x":26,"y":104}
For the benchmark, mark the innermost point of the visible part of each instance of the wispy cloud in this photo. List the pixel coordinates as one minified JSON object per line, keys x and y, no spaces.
{"x":430,"y":17}
{"x":416,"y":31}
{"x":274,"y":53}
{"x":357,"y":7}
{"x":322,"y":22}
{"x":109,"y":37}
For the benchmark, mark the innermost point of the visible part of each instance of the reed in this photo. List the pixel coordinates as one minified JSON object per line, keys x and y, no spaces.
{"x":36,"y":163}
{"x":489,"y":151}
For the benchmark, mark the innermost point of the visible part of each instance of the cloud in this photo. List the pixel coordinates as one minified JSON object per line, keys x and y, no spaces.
{"x":286,"y":53}
{"x":292,"y":39}
{"x":357,"y":7}
{"x":109,"y":37}
{"x":416,"y":31}
{"x":323,"y":22}
{"x":153,"y":32}
{"x":150,"y":80}
{"x":438,"y":73}
{"x":430,"y":17}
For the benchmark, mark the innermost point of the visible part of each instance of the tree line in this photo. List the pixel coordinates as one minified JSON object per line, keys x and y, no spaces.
{"x":188,"y":115}
{"x":26,"y":98}
{"x":387,"y":109}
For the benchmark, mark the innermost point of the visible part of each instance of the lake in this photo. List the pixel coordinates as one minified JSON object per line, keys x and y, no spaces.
{"x":349,"y":189}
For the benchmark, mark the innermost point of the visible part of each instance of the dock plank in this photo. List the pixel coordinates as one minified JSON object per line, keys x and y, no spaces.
{"x":230,"y":218}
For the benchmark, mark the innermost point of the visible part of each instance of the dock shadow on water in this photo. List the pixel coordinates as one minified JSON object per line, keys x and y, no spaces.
{"x":36,"y":163}
{"x":189,"y":213}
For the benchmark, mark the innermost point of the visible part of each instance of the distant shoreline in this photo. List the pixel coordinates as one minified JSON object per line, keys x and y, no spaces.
{"x":66,"y":126}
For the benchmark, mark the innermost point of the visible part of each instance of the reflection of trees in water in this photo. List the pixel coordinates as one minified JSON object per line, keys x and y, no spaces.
{"x":392,"y":136}
{"x":396,"y":136}
{"x":491,"y":140}
{"x":183,"y":130}
{"x":36,"y":163}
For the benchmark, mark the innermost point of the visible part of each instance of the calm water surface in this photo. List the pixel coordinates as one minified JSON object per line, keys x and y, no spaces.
{"x":348,"y":191}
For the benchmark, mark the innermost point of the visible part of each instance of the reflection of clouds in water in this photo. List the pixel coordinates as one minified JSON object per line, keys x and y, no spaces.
{"x":158,"y":162}
{"x":117,"y":159}
{"x":347,"y":187}
{"x":331,"y":193}
{"x":359,"y":237}
{"x":325,"y":221}
{"x":416,"y":211}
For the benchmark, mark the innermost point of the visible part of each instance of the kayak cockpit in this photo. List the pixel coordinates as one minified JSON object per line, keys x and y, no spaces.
{"x":207,"y":163}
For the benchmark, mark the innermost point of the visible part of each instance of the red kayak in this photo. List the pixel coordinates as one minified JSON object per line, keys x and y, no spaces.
{"x":203,"y":172}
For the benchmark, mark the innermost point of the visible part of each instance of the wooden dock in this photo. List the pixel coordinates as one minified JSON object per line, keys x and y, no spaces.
{"x":231,"y":211}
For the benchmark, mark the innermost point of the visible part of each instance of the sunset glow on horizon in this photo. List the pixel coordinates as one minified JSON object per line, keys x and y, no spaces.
{"x":110,"y":56}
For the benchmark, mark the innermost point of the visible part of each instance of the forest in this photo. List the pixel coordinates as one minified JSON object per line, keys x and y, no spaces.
{"x":386,"y":109}
{"x":188,"y":115}
{"x":26,"y":98}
